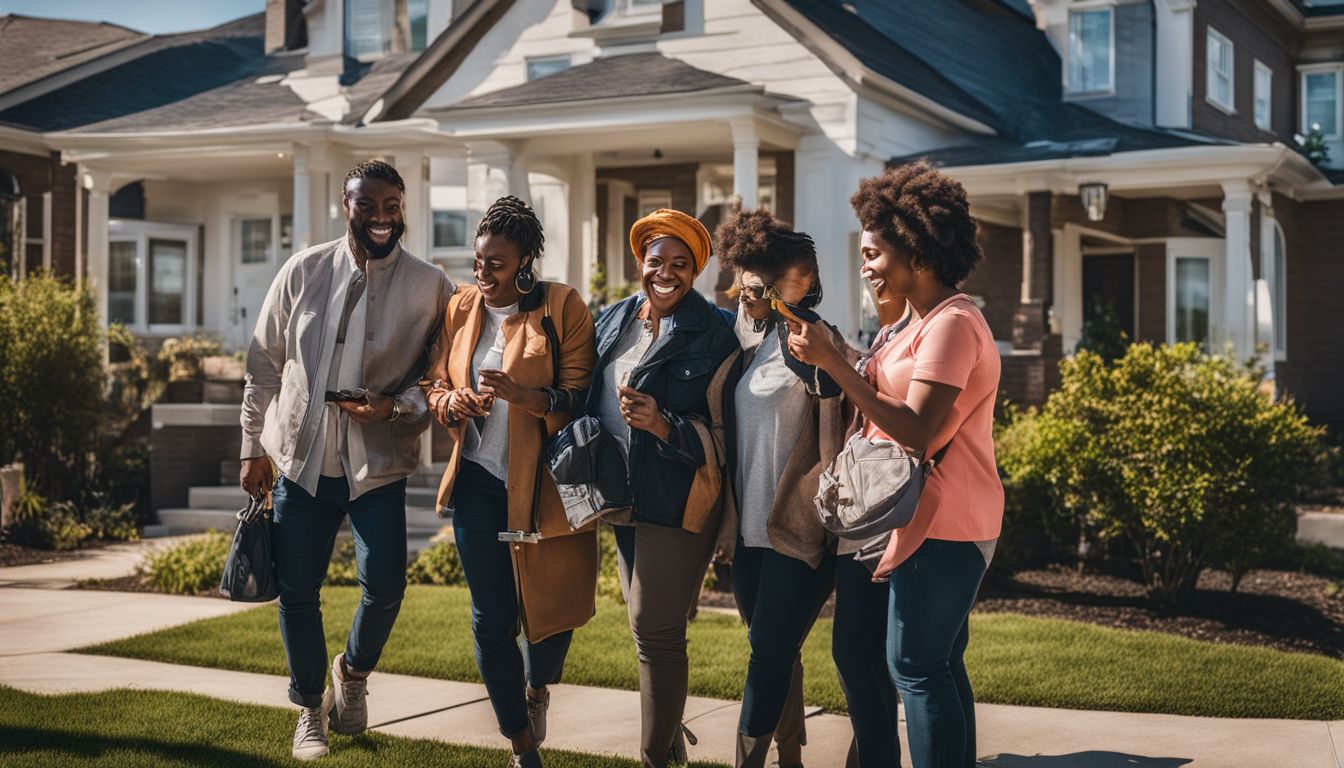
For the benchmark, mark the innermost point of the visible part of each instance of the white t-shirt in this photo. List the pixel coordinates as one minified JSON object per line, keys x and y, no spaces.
{"x":487,"y":439}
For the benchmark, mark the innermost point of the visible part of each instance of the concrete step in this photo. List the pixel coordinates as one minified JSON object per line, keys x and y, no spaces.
{"x":420,"y":521}
{"x":1321,"y":527}
{"x":233,"y":497}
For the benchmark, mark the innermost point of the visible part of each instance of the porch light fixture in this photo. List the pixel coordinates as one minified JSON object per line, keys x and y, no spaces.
{"x":1093,"y":195}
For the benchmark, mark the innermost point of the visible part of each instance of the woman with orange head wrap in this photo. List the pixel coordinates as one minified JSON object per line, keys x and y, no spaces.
{"x":656,"y":352}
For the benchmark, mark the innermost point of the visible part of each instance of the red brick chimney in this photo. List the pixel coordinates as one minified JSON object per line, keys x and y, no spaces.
{"x":286,"y":29}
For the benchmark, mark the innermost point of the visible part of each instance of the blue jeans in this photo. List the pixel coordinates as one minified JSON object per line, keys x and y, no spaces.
{"x":480,"y":513}
{"x":859,"y":648}
{"x":931,"y":597}
{"x":779,"y":597}
{"x":303,"y":533}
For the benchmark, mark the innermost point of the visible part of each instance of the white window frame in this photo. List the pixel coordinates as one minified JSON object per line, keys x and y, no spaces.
{"x":1109,"y":9}
{"x":385,"y":23}
{"x":1210,"y":72}
{"x":1278,"y":289}
{"x":530,"y":60}
{"x":1316,"y":69}
{"x":1263,"y":70}
{"x":1207,"y":248}
{"x":634,"y":8}
{"x":140,"y":233}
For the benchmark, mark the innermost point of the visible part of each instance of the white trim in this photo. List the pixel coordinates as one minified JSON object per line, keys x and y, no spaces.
{"x":1268,"y":124}
{"x":46,"y":230}
{"x":1269,"y":227}
{"x":141,"y":233}
{"x":1209,"y":71}
{"x":1108,"y":7}
{"x":1337,"y":70}
{"x":1196,"y":248}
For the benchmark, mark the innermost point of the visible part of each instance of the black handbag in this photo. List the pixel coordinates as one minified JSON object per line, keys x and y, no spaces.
{"x":249,"y":573}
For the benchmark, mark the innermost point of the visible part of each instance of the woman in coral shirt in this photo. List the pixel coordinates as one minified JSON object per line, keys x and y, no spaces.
{"x":930,"y":386}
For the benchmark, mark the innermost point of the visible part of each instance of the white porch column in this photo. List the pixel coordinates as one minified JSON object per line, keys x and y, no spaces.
{"x":491,"y":174}
{"x":99,"y":184}
{"x":582,"y":223}
{"x":1237,"y":321}
{"x":302,"y":204}
{"x":414,"y":170}
{"x":824,"y":178}
{"x":746,"y":159}
{"x":313,"y":201}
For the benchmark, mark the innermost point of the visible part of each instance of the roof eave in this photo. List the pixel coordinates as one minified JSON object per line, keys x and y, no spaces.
{"x":858,"y":74}
{"x":1139,"y":169}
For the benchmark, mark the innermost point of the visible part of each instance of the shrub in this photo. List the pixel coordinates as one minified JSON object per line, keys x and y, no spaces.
{"x":179,"y":359}
{"x":192,"y":567}
{"x":437,"y":564}
{"x":342,"y":569}
{"x":1176,"y":453}
{"x":51,"y":378}
{"x":1102,"y":332}
{"x":40,"y":525}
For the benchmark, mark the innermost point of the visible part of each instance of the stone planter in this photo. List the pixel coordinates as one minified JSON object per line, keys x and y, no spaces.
{"x":11,"y":477}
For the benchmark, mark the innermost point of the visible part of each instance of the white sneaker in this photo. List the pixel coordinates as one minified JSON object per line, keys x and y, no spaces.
{"x":350,"y":711}
{"x":310,"y":736}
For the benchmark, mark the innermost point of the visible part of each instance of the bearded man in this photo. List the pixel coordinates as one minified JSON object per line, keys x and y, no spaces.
{"x":333,"y":402}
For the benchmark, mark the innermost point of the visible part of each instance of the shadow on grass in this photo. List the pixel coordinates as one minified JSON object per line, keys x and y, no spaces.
{"x":19,"y":741}
{"x":1091,"y":759}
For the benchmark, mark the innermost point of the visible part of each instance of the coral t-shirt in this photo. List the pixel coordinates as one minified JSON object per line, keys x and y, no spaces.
{"x":963,"y":497}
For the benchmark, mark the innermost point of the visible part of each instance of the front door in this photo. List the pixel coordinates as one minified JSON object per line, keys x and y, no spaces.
{"x":254,"y":267}
{"x":1108,"y":283}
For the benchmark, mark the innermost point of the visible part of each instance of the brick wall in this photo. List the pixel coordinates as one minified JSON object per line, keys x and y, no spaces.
{"x":998,"y":279}
{"x":182,"y":456}
{"x":1257,"y":32}
{"x":44,"y":173}
{"x":1314,"y":367}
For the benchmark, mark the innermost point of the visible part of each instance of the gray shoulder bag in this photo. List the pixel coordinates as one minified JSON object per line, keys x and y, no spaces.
{"x":873,"y":486}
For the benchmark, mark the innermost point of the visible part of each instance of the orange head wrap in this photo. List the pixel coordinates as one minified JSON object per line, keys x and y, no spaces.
{"x":668,"y":223}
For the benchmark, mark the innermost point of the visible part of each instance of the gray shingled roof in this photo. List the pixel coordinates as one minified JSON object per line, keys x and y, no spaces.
{"x":636,"y":74}
{"x":214,"y":78}
{"x":31,"y":49}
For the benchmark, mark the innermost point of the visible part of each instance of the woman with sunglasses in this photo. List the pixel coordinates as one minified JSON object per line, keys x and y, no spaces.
{"x":513,"y":358}
{"x":656,"y":351}
{"x":782,"y":425}
{"x":931,"y":388}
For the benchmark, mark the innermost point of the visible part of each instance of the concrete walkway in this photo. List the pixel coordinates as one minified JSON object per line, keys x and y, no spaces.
{"x":110,"y":562}
{"x":39,"y":625}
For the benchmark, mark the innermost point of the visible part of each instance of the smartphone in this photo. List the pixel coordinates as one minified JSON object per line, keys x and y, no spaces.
{"x":347,"y":396}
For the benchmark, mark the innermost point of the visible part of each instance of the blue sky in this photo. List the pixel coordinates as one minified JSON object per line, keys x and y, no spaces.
{"x":154,"y":16}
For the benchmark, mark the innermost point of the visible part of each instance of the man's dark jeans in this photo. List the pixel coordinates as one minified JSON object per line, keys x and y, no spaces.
{"x":480,"y":513}
{"x":303,"y":533}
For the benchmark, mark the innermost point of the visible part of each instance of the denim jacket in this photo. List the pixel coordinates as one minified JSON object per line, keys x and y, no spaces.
{"x":676,"y":371}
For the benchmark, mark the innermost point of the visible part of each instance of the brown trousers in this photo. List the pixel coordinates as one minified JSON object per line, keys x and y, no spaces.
{"x":661,"y":586}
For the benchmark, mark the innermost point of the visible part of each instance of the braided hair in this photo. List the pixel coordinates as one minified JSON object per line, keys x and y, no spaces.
{"x":375,"y":169}
{"x":515,"y":220}
{"x":759,"y":242}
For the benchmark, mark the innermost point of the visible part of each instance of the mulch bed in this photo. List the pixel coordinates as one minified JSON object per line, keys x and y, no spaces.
{"x":13,"y":554}
{"x":1284,"y":610}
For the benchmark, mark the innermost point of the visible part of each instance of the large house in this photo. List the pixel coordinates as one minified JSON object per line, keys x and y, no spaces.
{"x":1136,"y":153}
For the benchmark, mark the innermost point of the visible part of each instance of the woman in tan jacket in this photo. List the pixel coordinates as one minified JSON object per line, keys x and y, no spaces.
{"x":783,"y":424}
{"x":513,"y":359}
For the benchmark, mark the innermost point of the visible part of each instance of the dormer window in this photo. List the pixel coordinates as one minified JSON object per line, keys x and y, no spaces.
{"x":634,"y":21}
{"x":371,"y":27}
{"x":1091,"y":54}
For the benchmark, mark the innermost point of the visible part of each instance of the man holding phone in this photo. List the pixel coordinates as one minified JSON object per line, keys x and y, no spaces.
{"x":333,"y":402}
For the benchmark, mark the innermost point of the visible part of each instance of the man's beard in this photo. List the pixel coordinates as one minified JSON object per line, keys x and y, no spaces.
{"x":374,"y":250}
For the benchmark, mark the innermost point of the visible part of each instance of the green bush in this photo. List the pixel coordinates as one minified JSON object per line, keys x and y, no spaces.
{"x":192,"y":567}
{"x":179,"y":359}
{"x":51,"y":379}
{"x":342,"y":569}
{"x":437,"y":564}
{"x":1102,"y":333}
{"x":40,"y":525}
{"x":1176,"y":453}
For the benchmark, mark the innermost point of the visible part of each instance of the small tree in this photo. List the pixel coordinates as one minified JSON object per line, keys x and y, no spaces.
{"x":1313,"y":145}
{"x":1174,"y":451}
{"x":51,"y":379}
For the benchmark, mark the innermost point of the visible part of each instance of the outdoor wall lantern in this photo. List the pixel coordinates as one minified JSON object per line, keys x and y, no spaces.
{"x":1093,"y":195}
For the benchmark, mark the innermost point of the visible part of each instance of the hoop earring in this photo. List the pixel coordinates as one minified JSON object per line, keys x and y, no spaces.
{"x":525,"y":281}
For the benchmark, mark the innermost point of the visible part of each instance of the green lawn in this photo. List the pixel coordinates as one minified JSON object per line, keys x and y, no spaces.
{"x":1012,"y":659}
{"x":155,"y":729}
